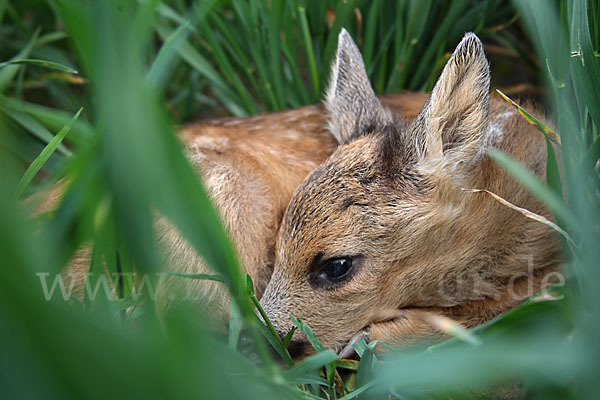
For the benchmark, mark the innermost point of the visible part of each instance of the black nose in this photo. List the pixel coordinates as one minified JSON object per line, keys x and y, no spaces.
{"x":297,"y":348}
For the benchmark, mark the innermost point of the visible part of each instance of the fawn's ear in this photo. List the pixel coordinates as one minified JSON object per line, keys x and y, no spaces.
{"x":351,"y":103}
{"x":455,"y":118}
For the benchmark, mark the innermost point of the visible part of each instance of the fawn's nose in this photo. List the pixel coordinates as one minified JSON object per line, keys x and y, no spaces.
{"x":297,"y":348}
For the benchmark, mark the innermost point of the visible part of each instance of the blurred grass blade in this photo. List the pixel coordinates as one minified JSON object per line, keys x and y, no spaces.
{"x":452,"y":328}
{"x":360,"y":346}
{"x":164,"y":61}
{"x":81,"y":130}
{"x":456,"y":9}
{"x":206,"y":277}
{"x":235,"y":325}
{"x":7,"y":74}
{"x":407,"y":38}
{"x":364,"y":374}
{"x":168,"y":13}
{"x":275,"y":19}
{"x":351,"y":365}
{"x":33,"y":126}
{"x":41,"y":63}
{"x":370,"y":31}
{"x":591,"y":157}
{"x":355,"y":393}
{"x":304,"y":370}
{"x":44,"y":156}
{"x":585,"y":66}
{"x":227,"y":69}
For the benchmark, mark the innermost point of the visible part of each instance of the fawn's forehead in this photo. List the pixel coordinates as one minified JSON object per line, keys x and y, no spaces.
{"x":368,"y":172}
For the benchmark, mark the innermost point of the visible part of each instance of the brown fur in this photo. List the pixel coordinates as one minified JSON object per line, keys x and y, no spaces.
{"x":390,"y":199}
{"x":390,"y":195}
{"x":250,"y":167}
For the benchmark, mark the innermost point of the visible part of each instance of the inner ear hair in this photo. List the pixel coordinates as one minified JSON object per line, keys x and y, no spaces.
{"x":351,"y":103}
{"x":455,"y":117}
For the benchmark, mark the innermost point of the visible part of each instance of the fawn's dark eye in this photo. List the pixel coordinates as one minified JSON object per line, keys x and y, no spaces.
{"x":332,"y":271}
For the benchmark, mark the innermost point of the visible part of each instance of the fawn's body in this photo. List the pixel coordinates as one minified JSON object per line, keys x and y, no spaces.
{"x":381,"y":239}
{"x":250,"y":168}
{"x":362,"y":228}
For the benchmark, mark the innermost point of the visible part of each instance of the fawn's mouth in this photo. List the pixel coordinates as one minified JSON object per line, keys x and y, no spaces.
{"x":348,"y":352}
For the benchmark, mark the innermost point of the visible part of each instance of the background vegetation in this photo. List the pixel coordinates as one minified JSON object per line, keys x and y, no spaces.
{"x":135,"y":68}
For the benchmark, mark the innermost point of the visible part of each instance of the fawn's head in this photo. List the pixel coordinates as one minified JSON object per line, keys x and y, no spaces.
{"x":372,"y":228}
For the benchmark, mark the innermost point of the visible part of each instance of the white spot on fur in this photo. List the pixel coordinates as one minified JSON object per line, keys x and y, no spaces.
{"x":497,"y":127}
{"x":505,"y":115}
{"x":495,"y":132}
{"x":210,"y":143}
{"x":233,"y":122}
{"x":293,"y":135}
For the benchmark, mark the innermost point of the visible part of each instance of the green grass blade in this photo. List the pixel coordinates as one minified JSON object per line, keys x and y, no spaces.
{"x":41,"y":63}
{"x":81,"y":130}
{"x":205,"y":277}
{"x":2,"y":9}
{"x":33,"y":126}
{"x":365,"y":369}
{"x":202,"y":65}
{"x":235,"y":325}
{"x":288,"y":337}
{"x":370,"y":31}
{"x":308,"y":333}
{"x":304,"y":371}
{"x":344,"y":10}
{"x":159,"y":70}
{"x":274,"y":32}
{"x":231,"y":42}
{"x":227,"y":69}
{"x":44,"y":156}
{"x":548,"y":132}
{"x":8,"y":73}
{"x":355,"y":393}
{"x":416,"y":16}
{"x":457,"y":8}
{"x":310,"y":53}
{"x":584,"y":65}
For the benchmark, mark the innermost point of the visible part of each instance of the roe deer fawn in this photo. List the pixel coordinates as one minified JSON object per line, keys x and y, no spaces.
{"x":250,"y":168}
{"x":380,"y":237}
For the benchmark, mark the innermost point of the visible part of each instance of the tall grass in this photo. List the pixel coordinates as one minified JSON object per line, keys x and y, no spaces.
{"x":145,"y":64}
